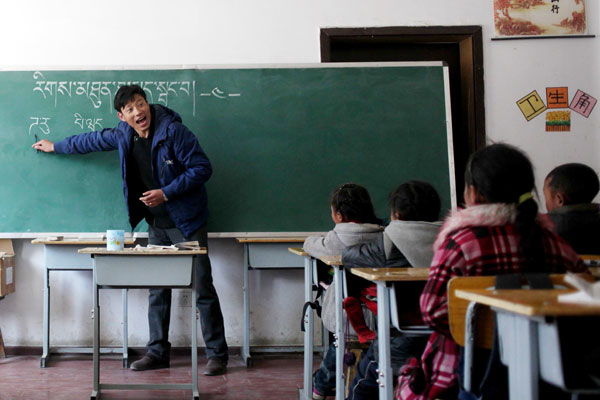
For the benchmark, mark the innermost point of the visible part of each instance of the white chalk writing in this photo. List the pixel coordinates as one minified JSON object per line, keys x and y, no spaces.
{"x":39,"y":124}
{"x":89,"y":123}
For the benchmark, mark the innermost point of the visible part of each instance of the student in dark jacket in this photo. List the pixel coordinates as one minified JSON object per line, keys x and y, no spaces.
{"x":406,"y":242}
{"x":569,"y":190}
{"x":164,"y":170}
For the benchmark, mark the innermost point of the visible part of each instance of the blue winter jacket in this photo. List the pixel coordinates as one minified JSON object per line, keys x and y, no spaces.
{"x":179,"y":165}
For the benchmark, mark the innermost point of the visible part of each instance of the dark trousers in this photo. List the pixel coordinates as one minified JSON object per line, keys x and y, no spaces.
{"x":207,"y":301}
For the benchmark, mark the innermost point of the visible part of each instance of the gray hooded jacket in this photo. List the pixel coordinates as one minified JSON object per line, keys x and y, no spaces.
{"x":402,"y":244}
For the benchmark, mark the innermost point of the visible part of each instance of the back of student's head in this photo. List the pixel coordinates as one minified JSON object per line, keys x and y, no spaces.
{"x":502,"y":173}
{"x":125,"y":94}
{"x":353,"y":202}
{"x":415,"y":201}
{"x":577,"y":182}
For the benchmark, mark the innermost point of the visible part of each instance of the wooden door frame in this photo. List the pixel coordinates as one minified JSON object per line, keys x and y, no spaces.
{"x":470,"y":45}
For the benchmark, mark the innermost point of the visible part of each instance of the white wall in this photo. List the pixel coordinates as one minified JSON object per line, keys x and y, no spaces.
{"x":40,"y":33}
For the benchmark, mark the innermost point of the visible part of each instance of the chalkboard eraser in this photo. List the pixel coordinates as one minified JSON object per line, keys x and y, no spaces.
{"x":55,"y":238}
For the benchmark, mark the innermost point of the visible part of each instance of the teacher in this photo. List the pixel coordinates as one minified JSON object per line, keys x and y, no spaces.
{"x":164,"y":170}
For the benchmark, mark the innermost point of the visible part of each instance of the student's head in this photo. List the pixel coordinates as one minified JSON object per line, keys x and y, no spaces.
{"x":414,"y":201}
{"x":501,"y":173}
{"x":132,"y":107}
{"x":351,"y":203}
{"x":572,"y":183}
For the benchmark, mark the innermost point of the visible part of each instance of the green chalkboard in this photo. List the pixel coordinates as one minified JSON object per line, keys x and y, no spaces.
{"x":280,"y":140}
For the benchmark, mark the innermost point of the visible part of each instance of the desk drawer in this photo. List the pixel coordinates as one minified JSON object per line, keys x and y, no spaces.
{"x":143,"y":271}
{"x":272,"y":255}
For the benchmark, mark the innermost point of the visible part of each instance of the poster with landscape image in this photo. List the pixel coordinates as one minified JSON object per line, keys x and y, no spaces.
{"x":539,"y":18}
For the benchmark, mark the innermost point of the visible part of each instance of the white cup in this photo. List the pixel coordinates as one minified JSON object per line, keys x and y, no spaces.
{"x":115,"y":239}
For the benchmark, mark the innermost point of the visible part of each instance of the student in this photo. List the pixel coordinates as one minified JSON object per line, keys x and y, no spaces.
{"x":164,"y":170}
{"x":569,"y":190}
{"x":406,"y":242}
{"x":499,"y":232}
{"x":355,"y":222}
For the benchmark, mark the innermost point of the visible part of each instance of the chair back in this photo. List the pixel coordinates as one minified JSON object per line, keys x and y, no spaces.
{"x":457,"y":309}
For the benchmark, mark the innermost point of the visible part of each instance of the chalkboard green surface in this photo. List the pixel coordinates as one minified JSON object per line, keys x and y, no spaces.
{"x":280,"y":140}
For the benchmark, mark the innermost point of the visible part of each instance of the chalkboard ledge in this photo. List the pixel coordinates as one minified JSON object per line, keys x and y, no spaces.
{"x":144,"y":235}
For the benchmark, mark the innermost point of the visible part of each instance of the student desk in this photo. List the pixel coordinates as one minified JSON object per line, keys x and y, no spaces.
{"x":61,"y":255}
{"x":131,"y":268}
{"x":264,"y":253}
{"x":310,"y":276}
{"x":526,"y":325}
{"x":383,"y":278}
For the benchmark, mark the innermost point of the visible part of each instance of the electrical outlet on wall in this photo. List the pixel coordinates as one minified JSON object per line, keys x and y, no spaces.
{"x":185,"y":298}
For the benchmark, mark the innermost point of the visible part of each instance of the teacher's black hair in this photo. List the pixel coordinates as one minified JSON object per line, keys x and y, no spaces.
{"x":125,"y":94}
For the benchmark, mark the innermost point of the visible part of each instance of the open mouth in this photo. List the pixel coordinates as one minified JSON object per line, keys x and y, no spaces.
{"x":141,"y":121}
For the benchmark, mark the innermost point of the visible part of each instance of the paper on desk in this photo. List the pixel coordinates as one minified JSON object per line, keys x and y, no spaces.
{"x":587,"y":292}
{"x":155,"y":247}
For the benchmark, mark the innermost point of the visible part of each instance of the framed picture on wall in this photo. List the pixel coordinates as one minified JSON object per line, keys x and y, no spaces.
{"x":516,"y":19}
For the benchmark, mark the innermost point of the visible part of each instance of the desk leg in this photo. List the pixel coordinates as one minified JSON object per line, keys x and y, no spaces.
{"x":519,"y":351}
{"x":46,"y":320}
{"x":96,"y":350}
{"x":383,"y":341}
{"x":246,"y":343}
{"x":125,"y":332}
{"x":195,"y":392}
{"x":339,"y":335}
{"x":309,"y":328}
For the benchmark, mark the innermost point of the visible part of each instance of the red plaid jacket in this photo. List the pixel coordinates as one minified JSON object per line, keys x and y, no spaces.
{"x":479,"y":240}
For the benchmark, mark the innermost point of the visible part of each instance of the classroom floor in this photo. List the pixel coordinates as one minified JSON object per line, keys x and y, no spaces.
{"x":70,"y":377}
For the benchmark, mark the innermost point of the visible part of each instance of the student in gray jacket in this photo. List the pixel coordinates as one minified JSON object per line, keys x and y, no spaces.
{"x":406,"y":242}
{"x":355,"y":222}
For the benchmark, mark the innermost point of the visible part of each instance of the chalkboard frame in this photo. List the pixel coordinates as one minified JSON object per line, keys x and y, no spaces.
{"x":452,"y":185}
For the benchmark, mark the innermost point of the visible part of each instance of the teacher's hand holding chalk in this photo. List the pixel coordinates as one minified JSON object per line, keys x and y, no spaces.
{"x":44,"y":145}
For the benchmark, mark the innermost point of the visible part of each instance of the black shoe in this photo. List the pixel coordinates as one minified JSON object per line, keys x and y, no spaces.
{"x":215,"y":366}
{"x":149,"y":362}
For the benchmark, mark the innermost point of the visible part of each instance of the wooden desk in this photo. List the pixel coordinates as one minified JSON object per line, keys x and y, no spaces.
{"x":61,"y":255}
{"x":383,"y":278}
{"x":527,"y":324}
{"x":310,"y":275}
{"x":131,"y":268}
{"x":265,"y":253}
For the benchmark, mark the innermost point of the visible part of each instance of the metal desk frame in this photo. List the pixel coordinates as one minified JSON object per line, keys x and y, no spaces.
{"x":130,"y":278}
{"x":266,"y":254}
{"x":310,"y":277}
{"x":62,"y":256}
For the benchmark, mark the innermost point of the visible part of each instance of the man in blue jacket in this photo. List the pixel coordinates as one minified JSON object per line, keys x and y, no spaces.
{"x":164,"y":170}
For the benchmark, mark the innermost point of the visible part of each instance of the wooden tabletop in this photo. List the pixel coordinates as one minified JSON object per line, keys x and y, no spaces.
{"x":529,"y":302}
{"x":83,"y":241}
{"x":298,"y":250}
{"x":141,"y":252}
{"x":332,"y":260}
{"x":392,"y":274}
{"x":271,"y":239}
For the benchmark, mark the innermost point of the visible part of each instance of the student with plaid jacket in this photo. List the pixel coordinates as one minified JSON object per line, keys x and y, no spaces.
{"x":499,"y":232}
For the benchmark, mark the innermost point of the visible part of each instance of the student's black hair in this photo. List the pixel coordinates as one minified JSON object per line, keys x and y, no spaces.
{"x":502,"y":173}
{"x":415,"y":201}
{"x":354,"y":203}
{"x":125,"y":94}
{"x":577,"y":182}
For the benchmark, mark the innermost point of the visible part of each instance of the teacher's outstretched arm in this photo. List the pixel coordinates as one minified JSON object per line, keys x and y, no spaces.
{"x":44,"y":145}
